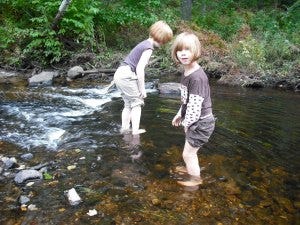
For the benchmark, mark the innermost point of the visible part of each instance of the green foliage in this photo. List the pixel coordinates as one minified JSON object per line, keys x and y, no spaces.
{"x":47,"y":176}
{"x":27,"y":37}
{"x":250,"y":55}
{"x":119,"y":19}
{"x":218,"y":16}
{"x":87,"y":25}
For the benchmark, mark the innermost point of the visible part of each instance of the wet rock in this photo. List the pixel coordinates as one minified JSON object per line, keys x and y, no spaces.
{"x":32,"y":207}
{"x":27,"y":156}
{"x":75,"y":72}
{"x":155,"y":201}
{"x":297,"y":87}
{"x":24,"y":199}
{"x":44,"y":78}
{"x":1,"y":167}
{"x":223,"y":179}
{"x":26,"y":175}
{"x":9,"y":162}
{"x":285,"y":203}
{"x":253,"y":83}
{"x":151,"y":85}
{"x":4,"y":73}
{"x":169,"y":88}
{"x":266,"y":203}
{"x":73,"y":197}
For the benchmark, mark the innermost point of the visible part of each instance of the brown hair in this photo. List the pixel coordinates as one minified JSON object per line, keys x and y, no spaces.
{"x":161,"y":32}
{"x":186,"y":40}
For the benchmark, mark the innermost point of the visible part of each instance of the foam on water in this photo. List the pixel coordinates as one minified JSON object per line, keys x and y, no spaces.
{"x":45,"y":121}
{"x":45,"y":117}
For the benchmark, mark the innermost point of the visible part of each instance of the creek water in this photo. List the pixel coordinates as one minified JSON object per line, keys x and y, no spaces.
{"x":250,"y":166}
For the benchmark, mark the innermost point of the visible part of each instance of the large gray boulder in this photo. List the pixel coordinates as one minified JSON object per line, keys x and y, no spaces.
{"x":44,"y":78}
{"x":169,"y":88}
{"x":75,"y":72}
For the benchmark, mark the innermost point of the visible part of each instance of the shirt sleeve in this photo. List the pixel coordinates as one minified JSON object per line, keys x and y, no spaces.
{"x":194,"y":105}
{"x":193,"y":111}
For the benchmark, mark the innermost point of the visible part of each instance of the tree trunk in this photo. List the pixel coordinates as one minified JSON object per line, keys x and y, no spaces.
{"x":186,"y":9}
{"x":62,"y":8}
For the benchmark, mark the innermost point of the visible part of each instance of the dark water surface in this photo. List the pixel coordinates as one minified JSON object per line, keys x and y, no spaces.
{"x":250,"y":166}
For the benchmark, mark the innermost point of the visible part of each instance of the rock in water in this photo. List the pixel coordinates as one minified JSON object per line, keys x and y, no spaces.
{"x":25,"y":175}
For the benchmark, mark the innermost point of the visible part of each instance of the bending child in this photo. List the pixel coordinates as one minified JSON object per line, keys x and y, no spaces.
{"x":195,"y":113}
{"x":130,"y":76}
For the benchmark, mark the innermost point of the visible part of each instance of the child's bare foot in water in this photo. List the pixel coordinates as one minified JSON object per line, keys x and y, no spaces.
{"x":125,"y":131}
{"x":140,"y":131}
{"x":192,"y":181}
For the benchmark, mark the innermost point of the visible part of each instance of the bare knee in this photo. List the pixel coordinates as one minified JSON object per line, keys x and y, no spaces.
{"x":187,"y":155}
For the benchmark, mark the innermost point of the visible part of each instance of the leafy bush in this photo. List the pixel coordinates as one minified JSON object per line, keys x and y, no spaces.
{"x":87,"y":25}
{"x":249,"y":55}
{"x":220,"y":17}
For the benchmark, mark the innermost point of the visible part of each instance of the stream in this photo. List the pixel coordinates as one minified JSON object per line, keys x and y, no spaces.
{"x":250,"y":166}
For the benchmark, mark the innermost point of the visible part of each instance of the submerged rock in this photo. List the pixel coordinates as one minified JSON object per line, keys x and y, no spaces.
{"x":27,"y":156}
{"x":26,"y":175}
{"x":73,"y":197}
{"x":24,"y":199}
{"x":9,"y":162}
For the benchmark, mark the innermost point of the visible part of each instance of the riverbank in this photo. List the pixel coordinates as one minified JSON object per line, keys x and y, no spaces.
{"x":221,"y":60}
{"x":222,"y":70}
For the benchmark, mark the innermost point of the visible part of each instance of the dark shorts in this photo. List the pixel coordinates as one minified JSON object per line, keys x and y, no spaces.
{"x":199,"y":132}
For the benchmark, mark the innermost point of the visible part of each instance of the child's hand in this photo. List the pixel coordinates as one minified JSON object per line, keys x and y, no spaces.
{"x":185,"y":129}
{"x":176,"y":121}
{"x":144,"y":94}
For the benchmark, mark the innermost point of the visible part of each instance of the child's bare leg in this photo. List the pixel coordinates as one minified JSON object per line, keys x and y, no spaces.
{"x":192,"y":165}
{"x":190,"y":158}
{"x":126,"y":113}
{"x":135,"y":120}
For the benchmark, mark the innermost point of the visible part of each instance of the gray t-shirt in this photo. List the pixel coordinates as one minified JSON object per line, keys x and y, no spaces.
{"x":133,"y":58}
{"x":195,"y":97}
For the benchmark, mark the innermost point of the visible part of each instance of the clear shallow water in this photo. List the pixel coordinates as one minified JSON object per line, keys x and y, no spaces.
{"x":250,"y":166}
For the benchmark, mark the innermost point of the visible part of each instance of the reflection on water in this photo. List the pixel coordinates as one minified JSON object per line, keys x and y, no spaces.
{"x":250,"y":166}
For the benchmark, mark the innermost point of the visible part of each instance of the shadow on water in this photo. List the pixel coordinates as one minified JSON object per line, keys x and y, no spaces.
{"x":250,"y":166}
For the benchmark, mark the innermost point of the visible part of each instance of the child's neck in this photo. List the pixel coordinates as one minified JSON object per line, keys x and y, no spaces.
{"x":190,"y":68}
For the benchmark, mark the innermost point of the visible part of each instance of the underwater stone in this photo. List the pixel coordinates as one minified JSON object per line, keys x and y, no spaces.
{"x":73,"y":197}
{"x":25,"y":175}
{"x":27,"y":156}
{"x":24,"y":199}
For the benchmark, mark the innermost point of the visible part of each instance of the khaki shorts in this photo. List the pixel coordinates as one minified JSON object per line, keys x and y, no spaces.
{"x":127,"y":83}
{"x":199,"y":132}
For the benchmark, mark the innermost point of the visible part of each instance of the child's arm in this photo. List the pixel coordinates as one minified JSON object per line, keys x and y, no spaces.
{"x":140,"y":71}
{"x":194,"y":105}
{"x":193,"y":111}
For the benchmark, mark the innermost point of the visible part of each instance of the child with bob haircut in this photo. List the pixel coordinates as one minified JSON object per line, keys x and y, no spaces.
{"x":195,"y":113}
{"x":130,"y":76}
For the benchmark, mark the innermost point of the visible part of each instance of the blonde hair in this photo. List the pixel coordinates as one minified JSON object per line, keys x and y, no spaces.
{"x":186,"y":40}
{"x":161,"y":32}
